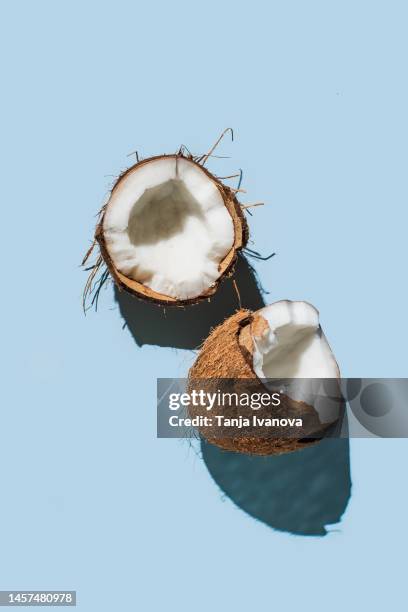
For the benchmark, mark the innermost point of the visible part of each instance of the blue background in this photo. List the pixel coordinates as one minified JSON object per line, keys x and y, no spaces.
{"x":317,"y":94}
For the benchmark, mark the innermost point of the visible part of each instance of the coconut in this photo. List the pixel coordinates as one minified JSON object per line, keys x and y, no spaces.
{"x":279,"y":345}
{"x":170,"y":231}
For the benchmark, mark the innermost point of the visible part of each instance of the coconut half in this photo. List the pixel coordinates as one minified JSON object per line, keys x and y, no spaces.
{"x":170,"y":230}
{"x":281,"y":346}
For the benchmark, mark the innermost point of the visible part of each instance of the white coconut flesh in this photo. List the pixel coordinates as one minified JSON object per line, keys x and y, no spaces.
{"x":166,"y":226}
{"x":293,"y":347}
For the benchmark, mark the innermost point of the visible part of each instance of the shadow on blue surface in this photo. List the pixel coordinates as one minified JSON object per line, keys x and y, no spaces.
{"x":188,"y":327}
{"x":298,"y":492}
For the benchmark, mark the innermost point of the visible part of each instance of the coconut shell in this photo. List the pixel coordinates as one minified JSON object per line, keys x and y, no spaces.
{"x":227,"y":354}
{"x":226,"y":266}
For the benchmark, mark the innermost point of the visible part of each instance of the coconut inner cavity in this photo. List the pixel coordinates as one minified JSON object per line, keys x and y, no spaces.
{"x":166,"y":226}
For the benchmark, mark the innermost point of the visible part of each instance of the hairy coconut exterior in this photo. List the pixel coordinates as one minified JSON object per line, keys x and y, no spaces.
{"x":226,"y":267}
{"x":227,"y":354}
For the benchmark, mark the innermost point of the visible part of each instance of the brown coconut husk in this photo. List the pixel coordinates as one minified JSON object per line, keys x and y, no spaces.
{"x":137,"y":289}
{"x":227,"y":354}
